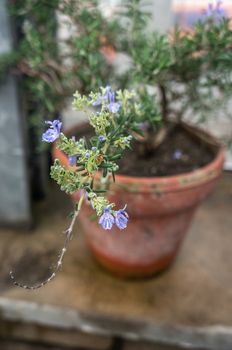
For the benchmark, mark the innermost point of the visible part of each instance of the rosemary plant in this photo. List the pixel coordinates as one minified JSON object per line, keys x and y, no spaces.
{"x":113,"y":120}
{"x":190,"y":69}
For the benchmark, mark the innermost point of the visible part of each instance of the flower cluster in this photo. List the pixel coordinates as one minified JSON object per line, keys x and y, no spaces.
{"x":119,"y":217}
{"x":53,"y":132}
{"x":110,"y":115}
{"x":107,"y":98}
{"x":215,"y":11}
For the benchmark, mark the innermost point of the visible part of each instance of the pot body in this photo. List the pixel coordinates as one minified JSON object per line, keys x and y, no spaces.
{"x":160,"y":211}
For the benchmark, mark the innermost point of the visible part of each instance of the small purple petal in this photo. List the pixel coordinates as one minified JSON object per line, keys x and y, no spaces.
{"x":121,"y":218}
{"x":107,"y":89}
{"x":101,"y":138}
{"x":177,"y":154}
{"x":50,"y":135}
{"x":106,"y":220}
{"x":210,"y":10}
{"x":56,"y":124}
{"x":97,"y":103}
{"x":103,"y":98}
{"x":114,"y":107}
{"x":107,"y":93}
{"x":215,"y":11}
{"x":111,"y":97}
{"x":53,"y":132}
{"x":72,"y":160}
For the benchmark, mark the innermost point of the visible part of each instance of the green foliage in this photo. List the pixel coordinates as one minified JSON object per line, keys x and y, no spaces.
{"x":53,"y":71}
{"x":99,"y":153}
{"x":151,"y":58}
{"x":190,"y":69}
{"x":99,"y":203}
{"x":103,"y":120}
{"x":6,"y":61}
{"x":70,"y":146}
{"x":68,"y":180}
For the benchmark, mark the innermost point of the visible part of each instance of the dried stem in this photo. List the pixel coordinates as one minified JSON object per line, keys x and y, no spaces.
{"x":68,"y":233}
{"x":164,"y":104}
{"x":50,"y":77}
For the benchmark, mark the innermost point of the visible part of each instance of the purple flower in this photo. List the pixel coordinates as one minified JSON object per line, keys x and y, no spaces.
{"x":72,"y":160}
{"x":107,"y":91}
{"x":53,"y":132}
{"x":103,"y":98}
{"x":177,"y":154}
{"x":109,"y":96}
{"x":97,"y":103}
{"x":106,"y":220}
{"x":121,"y":218}
{"x":101,"y":138}
{"x":215,"y":11}
{"x":113,"y":106}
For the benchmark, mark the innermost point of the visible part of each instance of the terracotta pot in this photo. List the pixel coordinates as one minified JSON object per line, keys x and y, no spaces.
{"x":160,"y":211}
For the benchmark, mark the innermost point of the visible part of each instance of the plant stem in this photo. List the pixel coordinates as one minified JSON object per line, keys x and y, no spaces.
{"x":68,"y":238}
{"x":164,"y":104}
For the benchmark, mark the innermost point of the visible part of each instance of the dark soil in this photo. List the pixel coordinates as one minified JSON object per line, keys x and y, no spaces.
{"x":179,"y":153}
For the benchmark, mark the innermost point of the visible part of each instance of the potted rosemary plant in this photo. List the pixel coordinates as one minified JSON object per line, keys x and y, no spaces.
{"x":164,"y":166}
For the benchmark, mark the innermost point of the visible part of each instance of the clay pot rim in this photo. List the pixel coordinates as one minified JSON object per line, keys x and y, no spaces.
{"x":178,"y":182}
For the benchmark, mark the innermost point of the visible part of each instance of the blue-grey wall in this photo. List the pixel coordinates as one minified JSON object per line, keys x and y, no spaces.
{"x":14,"y":185}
